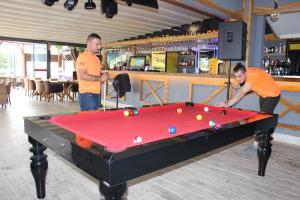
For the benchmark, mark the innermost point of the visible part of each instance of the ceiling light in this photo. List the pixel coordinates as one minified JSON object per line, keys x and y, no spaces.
{"x":90,"y":5}
{"x":49,"y":2}
{"x":275,"y":14}
{"x":70,"y":4}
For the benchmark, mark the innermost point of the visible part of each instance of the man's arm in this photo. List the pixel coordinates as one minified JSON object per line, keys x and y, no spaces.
{"x":241,"y":93}
{"x":83,"y":75}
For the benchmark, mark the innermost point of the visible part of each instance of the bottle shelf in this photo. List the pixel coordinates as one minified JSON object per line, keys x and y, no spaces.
{"x":274,"y":54}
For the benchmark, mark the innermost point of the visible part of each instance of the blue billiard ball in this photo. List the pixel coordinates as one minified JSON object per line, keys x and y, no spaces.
{"x":172,"y":130}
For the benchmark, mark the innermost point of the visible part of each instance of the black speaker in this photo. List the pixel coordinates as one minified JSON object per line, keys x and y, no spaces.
{"x":232,"y":40}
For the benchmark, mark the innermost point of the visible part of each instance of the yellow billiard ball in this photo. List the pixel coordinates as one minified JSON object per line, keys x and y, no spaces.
{"x":126,"y":113}
{"x":199,"y":117}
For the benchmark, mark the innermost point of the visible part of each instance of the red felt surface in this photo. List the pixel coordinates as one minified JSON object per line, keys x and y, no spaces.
{"x":117,"y":132}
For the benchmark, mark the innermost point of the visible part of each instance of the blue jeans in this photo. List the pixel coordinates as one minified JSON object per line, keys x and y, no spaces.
{"x":89,"y":101}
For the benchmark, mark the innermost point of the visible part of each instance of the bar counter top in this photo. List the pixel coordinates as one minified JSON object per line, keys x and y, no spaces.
{"x":206,"y":75}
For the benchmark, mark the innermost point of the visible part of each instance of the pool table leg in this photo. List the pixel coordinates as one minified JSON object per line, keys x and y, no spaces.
{"x":113,"y":193}
{"x":264,"y":151}
{"x":38,"y":166}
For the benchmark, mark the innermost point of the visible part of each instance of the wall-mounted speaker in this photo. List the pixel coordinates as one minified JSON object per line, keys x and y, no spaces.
{"x":232,"y":41}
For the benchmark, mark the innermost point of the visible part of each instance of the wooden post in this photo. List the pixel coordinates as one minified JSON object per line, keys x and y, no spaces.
{"x":249,"y":29}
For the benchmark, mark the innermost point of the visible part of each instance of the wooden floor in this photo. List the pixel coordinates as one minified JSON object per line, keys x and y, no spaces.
{"x":222,"y":174}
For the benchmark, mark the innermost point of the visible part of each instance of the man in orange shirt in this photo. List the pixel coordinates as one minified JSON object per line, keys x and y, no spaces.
{"x":88,"y":67}
{"x":255,"y":80}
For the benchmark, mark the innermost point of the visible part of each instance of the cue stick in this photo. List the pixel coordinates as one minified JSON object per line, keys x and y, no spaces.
{"x":104,"y":97}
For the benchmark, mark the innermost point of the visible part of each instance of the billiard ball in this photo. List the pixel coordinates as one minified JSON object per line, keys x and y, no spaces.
{"x":126,"y":113}
{"x":137,"y":139}
{"x":131,"y":113}
{"x":189,"y":104}
{"x":224,"y":112}
{"x":199,"y":117}
{"x":179,"y":110}
{"x":135,"y":111}
{"x":206,"y":109}
{"x":212,"y":123}
{"x":172,"y":130}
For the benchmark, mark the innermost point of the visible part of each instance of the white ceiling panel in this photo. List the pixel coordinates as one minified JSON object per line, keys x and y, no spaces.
{"x":31,"y":19}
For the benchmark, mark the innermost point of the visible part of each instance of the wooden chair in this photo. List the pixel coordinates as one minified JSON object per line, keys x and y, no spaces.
{"x":26,"y":86}
{"x":40,"y":89}
{"x":3,"y":95}
{"x":8,"y":89}
{"x":31,"y":88}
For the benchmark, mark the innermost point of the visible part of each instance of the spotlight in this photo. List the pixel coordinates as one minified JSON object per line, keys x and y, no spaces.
{"x":49,"y":2}
{"x":275,"y":14}
{"x":70,"y":4}
{"x":109,"y":8}
{"x":90,"y":5}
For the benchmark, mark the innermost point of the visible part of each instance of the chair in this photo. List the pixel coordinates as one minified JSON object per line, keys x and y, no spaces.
{"x":3,"y":95}
{"x":8,"y":88}
{"x":31,"y":88}
{"x":40,"y":89}
{"x":26,"y":86}
{"x":52,"y":88}
{"x":121,"y":85}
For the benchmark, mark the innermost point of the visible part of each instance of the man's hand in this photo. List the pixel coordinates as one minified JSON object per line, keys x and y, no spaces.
{"x":221,"y":104}
{"x":104,"y":77}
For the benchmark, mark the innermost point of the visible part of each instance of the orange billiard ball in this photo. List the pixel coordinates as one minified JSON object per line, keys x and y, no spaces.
{"x":179,"y":110}
{"x":199,"y":117}
{"x":126,"y":113}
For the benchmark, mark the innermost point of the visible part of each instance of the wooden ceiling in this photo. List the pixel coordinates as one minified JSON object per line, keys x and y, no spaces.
{"x":31,"y":19}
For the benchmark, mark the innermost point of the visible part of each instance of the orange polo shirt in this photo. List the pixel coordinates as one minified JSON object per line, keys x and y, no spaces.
{"x":91,"y":63}
{"x":262,"y":83}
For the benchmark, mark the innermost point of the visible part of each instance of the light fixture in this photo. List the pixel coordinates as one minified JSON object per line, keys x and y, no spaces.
{"x":275,"y":14}
{"x":109,"y":8}
{"x":90,"y":5}
{"x":49,"y":2}
{"x":70,"y":4}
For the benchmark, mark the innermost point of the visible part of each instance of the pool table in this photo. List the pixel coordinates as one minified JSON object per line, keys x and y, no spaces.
{"x":115,"y":148}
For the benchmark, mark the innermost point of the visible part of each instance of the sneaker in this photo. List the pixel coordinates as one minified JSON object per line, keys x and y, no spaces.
{"x":250,"y":150}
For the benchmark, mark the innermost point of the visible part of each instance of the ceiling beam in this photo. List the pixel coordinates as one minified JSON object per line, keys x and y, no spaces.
{"x":288,"y":8}
{"x":187,"y":6}
{"x":228,"y":12}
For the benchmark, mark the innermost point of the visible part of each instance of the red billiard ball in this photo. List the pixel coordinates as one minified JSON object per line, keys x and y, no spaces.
{"x":131,"y":113}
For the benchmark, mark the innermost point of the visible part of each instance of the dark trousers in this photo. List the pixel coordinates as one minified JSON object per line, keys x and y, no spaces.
{"x":267,"y":105}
